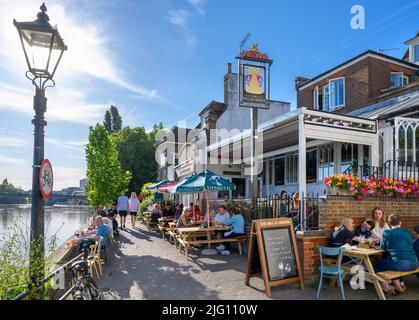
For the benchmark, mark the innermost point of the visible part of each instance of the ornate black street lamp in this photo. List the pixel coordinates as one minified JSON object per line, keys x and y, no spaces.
{"x":43,"y":48}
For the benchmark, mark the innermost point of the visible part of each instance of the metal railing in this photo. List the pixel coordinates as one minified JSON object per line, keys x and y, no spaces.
{"x":393,"y":169}
{"x":39,"y":283}
{"x":304,"y":211}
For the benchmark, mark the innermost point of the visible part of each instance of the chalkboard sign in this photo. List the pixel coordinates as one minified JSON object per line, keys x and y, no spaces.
{"x":273,"y":253}
{"x":279,"y":252}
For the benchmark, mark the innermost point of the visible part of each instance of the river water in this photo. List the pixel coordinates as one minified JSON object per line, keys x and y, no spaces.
{"x":61,"y":221}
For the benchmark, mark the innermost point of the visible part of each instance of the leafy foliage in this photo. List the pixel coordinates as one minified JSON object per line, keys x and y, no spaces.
{"x":8,"y":187}
{"x":136,"y":153}
{"x":116,"y":119}
{"x":105,"y":176}
{"x":113,"y":120}
{"x":14,"y":260}
{"x":108,"y":121}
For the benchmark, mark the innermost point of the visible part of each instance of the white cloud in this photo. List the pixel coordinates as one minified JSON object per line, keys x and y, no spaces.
{"x":180,"y":18}
{"x":198,"y":6}
{"x":87,"y":39}
{"x":4,"y":160}
{"x":63,"y":104}
{"x":67,"y":144}
{"x":8,"y":141}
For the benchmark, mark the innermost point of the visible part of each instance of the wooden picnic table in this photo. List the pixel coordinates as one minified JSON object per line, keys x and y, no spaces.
{"x":361,"y":257}
{"x":76,"y":240}
{"x":186,"y":234}
{"x":163,"y":224}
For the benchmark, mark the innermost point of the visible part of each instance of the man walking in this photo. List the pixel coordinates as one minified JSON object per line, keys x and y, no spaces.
{"x":123,"y":208}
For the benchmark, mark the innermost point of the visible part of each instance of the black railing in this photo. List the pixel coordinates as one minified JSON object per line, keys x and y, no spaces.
{"x":304,"y":211}
{"x":393,"y":169}
{"x":34,"y":284}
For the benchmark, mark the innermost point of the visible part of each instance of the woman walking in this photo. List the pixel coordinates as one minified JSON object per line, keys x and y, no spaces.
{"x":133,"y":204}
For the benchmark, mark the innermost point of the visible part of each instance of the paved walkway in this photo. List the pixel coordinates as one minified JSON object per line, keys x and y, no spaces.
{"x":141,"y":265}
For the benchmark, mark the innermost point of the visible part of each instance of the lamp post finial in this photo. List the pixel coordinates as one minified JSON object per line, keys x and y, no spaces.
{"x":42,"y":15}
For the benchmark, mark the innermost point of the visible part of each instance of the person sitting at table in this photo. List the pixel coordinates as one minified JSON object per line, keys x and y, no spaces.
{"x":150,"y":206}
{"x":183,"y":221}
{"x":178,"y":211}
{"x":220,"y":218}
{"x":112,"y":213}
{"x":343,"y":233}
{"x":102,"y":230}
{"x":168,"y":211}
{"x":364,"y":230}
{"x":236,"y":221}
{"x":196,"y":213}
{"x":416,"y":243}
{"x":379,"y":218}
{"x":155,"y":213}
{"x":399,"y":244}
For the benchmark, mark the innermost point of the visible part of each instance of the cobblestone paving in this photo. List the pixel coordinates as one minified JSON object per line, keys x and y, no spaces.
{"x":141,"y":265}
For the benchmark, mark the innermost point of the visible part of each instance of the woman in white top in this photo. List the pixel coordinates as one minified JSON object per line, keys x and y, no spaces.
{"x":379,"y":218}
{"x":133,"y":206}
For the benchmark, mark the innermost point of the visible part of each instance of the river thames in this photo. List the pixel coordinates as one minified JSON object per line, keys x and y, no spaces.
{"x":61,"y":221}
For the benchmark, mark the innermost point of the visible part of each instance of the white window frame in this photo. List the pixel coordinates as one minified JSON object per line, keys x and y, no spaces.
{"x":401,"y":74}
{"x":326,"y":95}
{"x":291,"y":168}
{"x":330,"y":93}
{"x":316,"y":98}
{"x":405,"y":80}
{"x":416,"y":53}
{"x":330,"y":90}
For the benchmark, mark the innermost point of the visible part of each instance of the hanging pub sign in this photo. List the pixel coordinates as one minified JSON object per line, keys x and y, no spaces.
{"x":254,"y":78}
{"x":273,"y":253}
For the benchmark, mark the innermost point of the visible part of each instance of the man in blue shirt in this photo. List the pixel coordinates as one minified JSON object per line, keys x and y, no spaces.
{"x":102,"y":231}
{"x":123,"y":208}
{"x":399,"y":244}
{"x":237,"y":223}
{"x":416,"y":243}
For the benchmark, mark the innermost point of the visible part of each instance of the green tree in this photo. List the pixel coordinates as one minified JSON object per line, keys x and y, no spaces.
{"x":116,"y":119}
{"x":156,"y":128}
{"x":106,"y":178}
{"x":137,"y":154}
{"x":108,"y":121}
{"x":5,"y":186}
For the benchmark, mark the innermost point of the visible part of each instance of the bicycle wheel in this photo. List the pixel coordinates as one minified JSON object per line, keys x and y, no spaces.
{"x":93,"y":290}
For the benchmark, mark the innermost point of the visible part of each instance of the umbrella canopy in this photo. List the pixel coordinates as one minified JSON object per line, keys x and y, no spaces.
{"x":164,"y":188}
{"x":157,"y":185}
{"x":173,"y":188}
{"x":205,"y":181}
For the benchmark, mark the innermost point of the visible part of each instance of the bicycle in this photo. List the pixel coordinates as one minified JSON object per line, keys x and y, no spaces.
{"x":84,"y":287}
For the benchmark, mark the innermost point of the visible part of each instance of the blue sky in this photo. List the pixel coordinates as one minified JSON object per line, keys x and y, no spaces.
{"x":164,"y":60}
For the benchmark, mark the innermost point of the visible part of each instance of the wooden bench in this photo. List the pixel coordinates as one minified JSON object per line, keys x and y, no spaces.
{"x":185,"y":243}
{"x":149,"y":223}
{"x":389,"y":276}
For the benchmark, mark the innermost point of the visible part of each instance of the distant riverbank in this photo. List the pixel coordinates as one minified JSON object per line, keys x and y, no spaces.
{"x":60,"y":220}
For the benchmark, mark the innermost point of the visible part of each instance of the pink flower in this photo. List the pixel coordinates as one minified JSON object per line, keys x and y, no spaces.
{"x":359,"y":197}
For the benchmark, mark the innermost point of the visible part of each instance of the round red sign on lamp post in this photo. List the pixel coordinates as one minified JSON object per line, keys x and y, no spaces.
{"x":46,"y":179}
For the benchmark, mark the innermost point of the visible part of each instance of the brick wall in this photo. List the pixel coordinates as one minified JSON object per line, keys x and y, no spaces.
{"x":332,"y":209}
{"x":309,"y":256}
{"x":364,"y":81}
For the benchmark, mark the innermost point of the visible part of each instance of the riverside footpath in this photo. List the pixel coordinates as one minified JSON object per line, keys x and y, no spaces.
{"x":143,"y":266}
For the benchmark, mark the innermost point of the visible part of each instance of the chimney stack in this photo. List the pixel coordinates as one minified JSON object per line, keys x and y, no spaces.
{"x":229,"y":67}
